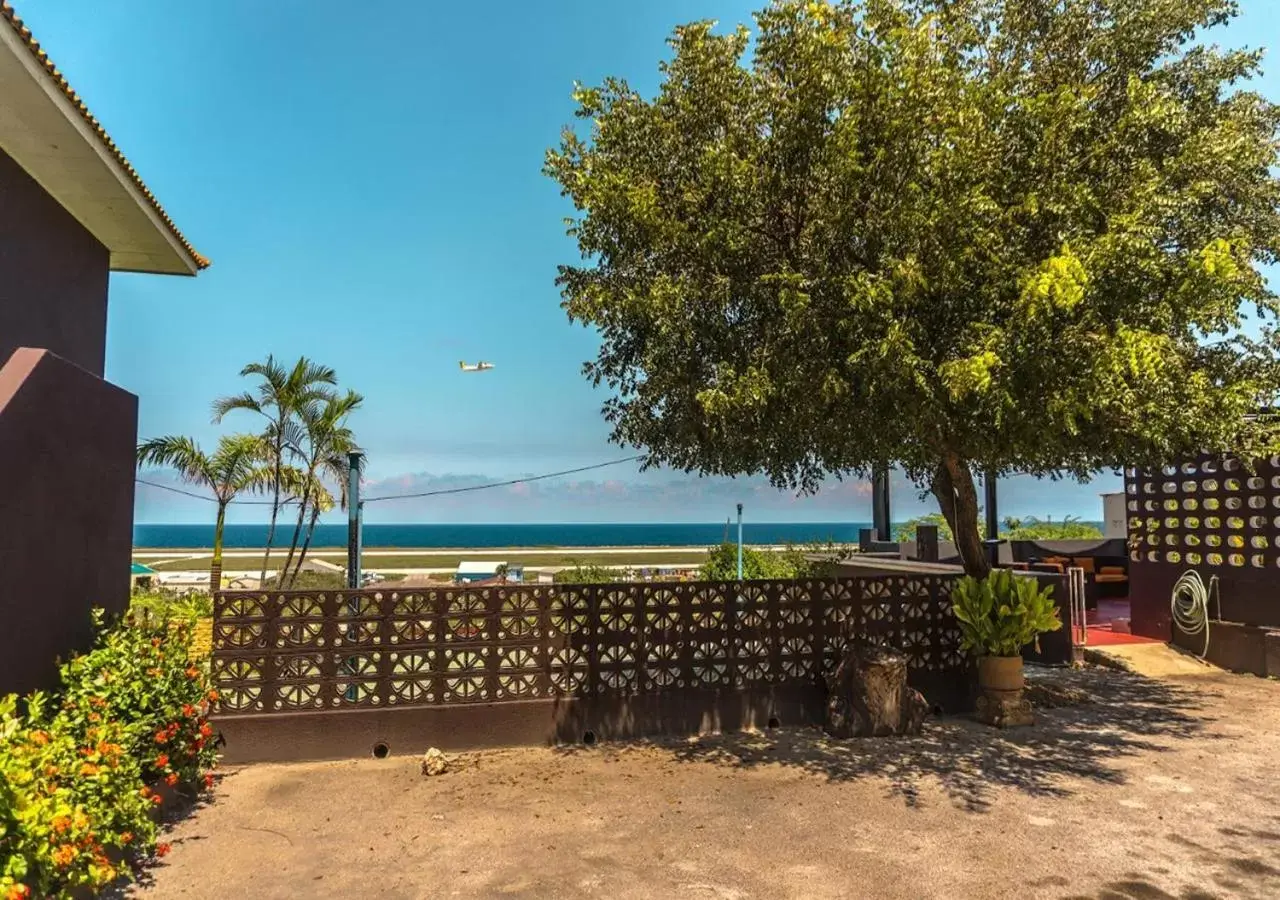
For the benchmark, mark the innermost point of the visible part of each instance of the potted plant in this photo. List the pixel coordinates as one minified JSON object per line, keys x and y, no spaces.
{"x":998,"y":616}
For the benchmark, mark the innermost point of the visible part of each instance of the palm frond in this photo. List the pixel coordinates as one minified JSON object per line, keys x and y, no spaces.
{"x":180,"y":453}
{"x":237,"y":455}
{"x":269,"y":371}
{"x":322,"y":498}
{"x":294,"y":436}
{"x":343,"y":406}
{"x":224,"y":405}
{"x":337,"y":468}
{"x":294,"y":482}
{"x":253,"y":480}
{"x":306,"y":373}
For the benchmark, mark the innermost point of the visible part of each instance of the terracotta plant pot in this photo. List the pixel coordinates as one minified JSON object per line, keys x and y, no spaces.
{"x":1000,"y":681}
{"x":1002,"y":674}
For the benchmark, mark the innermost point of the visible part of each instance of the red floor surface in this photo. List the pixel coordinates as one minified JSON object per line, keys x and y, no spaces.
{"x":1101,"y":623}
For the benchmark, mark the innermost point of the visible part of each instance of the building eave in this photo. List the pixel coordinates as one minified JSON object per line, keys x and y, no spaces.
{"x":47,"y":129}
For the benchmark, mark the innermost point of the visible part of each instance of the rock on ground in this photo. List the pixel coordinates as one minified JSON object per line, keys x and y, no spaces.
{"x":434,"y":762}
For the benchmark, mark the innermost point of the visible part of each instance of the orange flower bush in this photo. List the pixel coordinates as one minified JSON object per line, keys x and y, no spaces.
{"x":162,"y":696}
{"x":79,"y":771}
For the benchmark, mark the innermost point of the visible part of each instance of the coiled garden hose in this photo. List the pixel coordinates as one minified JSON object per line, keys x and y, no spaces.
{"x":1190,"y":606}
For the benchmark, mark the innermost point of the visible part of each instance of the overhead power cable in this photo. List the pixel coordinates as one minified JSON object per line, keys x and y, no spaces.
{"x":166,"y":487}
{"x":436,"y":493}
{"x":498,"y":484}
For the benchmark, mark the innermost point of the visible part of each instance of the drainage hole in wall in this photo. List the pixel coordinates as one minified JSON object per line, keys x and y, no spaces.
{"x":381,"y":750}
{"x":774,"y":723}
{"x":589,"y":738}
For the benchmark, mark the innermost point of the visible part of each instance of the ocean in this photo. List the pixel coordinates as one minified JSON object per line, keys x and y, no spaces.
{"x":507,"y":535}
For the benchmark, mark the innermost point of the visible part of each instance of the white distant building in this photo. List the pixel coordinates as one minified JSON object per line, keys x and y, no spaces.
{"x":1115,"y":521}
{"x":483,"y":571}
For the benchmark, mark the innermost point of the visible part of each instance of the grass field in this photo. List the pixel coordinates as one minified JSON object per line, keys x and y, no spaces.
{"x":446,"y":560}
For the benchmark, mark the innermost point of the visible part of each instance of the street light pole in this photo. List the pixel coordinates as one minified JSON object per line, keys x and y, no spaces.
{"x":354,"y":509}
{"x":739,"y":541}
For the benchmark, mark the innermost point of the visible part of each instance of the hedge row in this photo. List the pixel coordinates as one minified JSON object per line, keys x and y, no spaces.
{"x":83,"y":771}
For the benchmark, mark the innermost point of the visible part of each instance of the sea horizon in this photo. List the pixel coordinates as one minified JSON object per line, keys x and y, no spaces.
{"x":502,"y":535}
{"x":496,"y":535}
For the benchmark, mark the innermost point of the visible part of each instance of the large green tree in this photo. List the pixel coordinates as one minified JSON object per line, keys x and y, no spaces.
{"x":956,"y":236}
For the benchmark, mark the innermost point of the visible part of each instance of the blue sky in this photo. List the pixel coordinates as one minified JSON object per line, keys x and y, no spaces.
{"x":366,"y":180}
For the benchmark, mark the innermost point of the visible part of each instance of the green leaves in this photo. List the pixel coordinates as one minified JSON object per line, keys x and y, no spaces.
{"x":1058,"y":285}
{"x":1013,"y":236}
{"x":971,"y":375}
{"x":1002,"y":613}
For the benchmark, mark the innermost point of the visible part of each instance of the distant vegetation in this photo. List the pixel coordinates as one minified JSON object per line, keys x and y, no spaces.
{"x":796,"y":561}
{"x":1033,"y":529}
{"x":1028,"y":529}
{"x":906,"y":531}
{"x":588,"y":573}
{"x":309,"y":581}
{"x":722,"y":563}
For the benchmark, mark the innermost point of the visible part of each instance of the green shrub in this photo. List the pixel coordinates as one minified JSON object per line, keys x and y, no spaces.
{"x":587,"y":574}
{"x":73,"y":804}
{"x":167,"y":605}
{"x":1002,"y":613}
{"x":80,"y":769}
{"x":792,"y":562}
{"x":142,"y":675}
{"x":310,"y":581}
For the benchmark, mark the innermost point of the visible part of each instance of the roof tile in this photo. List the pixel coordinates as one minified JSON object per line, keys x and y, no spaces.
{"x":9,"y":15}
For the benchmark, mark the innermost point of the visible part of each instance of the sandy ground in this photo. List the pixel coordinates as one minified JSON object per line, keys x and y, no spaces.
{"x":1135,"y":788}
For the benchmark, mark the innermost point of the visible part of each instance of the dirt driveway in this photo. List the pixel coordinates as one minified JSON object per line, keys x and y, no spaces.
{"x":1136,"y":788}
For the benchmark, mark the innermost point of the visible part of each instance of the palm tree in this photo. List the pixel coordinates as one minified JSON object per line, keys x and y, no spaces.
{"x":337,"y":468}
{"x":282,"y":396}
{"x":239,"y":465}
{"x":326,"y":436}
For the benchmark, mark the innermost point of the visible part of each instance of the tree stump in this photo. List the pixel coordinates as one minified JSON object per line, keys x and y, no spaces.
{"x":868,"y":695}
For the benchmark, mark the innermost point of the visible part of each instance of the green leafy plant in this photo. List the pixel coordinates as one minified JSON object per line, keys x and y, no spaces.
{"x":1003,"y":612}
{"x":83,"y":770}
{"x":73,"y":804}
{"x":142,"y":674}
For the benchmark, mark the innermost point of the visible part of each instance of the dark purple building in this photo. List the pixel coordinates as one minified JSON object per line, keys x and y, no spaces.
{"x":72,"y":210}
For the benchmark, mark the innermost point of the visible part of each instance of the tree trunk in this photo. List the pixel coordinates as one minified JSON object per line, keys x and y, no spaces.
{"x":297,"y":530}
{"x":958,"y":499}
{"x":276,"y":466}
{"x":215,"y":570}
{"x":306,"y":544}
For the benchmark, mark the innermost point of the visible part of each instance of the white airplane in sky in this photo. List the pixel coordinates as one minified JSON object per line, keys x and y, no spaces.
{"x":478,"y":367}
